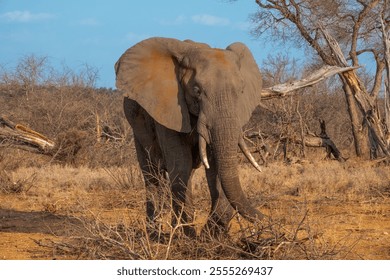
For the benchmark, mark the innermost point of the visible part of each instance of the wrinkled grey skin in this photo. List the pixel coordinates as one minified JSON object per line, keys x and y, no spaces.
{"x":179,"y":94}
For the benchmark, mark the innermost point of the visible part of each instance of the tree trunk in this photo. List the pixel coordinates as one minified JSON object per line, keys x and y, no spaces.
{"x":371,"y":118}
{"x":353,"y":84}
{"x":386,"y":45}
{"x":358,"y":131}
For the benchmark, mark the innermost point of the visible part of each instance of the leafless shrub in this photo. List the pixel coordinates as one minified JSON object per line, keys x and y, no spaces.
{"x":272,"y":240}
{"x":63,"y":101}
{"x":129,"y":238}
{"x":69,"y":144}
{"x":9,"y":185}
{"x":103,"y":241}
{"x":128,"y":179}
{"x":289,"y":118}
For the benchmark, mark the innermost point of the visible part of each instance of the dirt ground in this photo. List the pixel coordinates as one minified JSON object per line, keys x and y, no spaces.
{"x":345,"y":215}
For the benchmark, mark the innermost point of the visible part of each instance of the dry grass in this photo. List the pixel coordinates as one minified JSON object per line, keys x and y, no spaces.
{"x":346,"y":205}
{"x":325,"y":180}
{"x":321,"y":210}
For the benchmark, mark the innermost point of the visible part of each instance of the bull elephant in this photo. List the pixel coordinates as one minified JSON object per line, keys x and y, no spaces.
{"x":187,"y":103}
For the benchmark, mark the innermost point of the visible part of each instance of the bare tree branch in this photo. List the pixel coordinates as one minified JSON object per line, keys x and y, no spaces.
{"x":286,"y":89}
{"x":356,"y":28}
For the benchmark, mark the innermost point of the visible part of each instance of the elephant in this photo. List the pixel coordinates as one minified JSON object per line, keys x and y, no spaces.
{"x":187,"y":103}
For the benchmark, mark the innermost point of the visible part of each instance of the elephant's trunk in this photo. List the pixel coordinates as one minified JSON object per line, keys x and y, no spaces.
{"x":224,"y":144}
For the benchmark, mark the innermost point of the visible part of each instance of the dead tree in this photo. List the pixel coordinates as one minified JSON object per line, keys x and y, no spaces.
{"x":365,"y":102}
{"x":324,"y":26}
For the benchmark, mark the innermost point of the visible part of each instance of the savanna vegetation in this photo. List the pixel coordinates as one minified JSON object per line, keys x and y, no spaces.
{"x":84,"y":198}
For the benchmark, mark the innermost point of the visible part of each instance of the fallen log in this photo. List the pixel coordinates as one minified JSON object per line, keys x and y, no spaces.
{"x":309,"y":140}
{"x":320,"y":141}
{"x":23,"y":137}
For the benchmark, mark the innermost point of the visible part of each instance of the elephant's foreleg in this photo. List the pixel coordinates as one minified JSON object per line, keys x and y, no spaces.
{"x":148,"y":154}
{"x":151,"y":173}
{"x":182,"y":207}
{"x":177,"y":156}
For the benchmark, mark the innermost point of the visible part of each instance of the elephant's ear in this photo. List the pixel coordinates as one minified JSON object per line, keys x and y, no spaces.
{"x":252,"y":81}
{"x":148,"y":74}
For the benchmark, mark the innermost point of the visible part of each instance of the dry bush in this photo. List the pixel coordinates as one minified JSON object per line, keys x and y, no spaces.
{"x":68,"y":145}
{"x":296,"y":235}
{"x":58,"y":102}
{"x":285,"y":119}
{"x":8,"y":183}
{"x":10,"y":186}
{"x":129,"y":240}
{"x":321,"y":180}
{"x":306,"y":211}
{"x":87,"y":123}
{"x":126,"y":178}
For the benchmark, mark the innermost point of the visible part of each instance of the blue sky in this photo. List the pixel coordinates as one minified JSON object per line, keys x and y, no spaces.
{"x":95,"y":32}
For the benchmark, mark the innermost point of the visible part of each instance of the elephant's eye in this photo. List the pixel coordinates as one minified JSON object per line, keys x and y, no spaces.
{"x":197,"y":91}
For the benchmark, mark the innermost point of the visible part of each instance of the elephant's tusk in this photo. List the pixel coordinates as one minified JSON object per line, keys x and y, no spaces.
{"x":202,"y":152}
{"x":247,"y":153}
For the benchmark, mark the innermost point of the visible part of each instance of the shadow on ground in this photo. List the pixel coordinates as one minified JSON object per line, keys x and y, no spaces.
{"x":37,"y":222}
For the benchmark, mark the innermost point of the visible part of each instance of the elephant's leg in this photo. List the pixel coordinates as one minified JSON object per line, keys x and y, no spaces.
{"x":149,"y":159}
{"x":154,"y":203}
{"x":221,"y":211}
{"x":150,"y":175}
{"x":177,"y":156}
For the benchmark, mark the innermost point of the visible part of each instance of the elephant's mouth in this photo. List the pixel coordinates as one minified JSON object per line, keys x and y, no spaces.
{"x":241,"y":143}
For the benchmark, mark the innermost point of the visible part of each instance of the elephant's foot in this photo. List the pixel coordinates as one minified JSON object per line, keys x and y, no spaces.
{"x":156,"y":235}
{"x":183,"y":230}
{"x":215,"y":228}
{"x":189,"y":231}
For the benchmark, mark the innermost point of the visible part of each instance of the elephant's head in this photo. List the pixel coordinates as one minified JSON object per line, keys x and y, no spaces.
{"x":174,"y":79}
